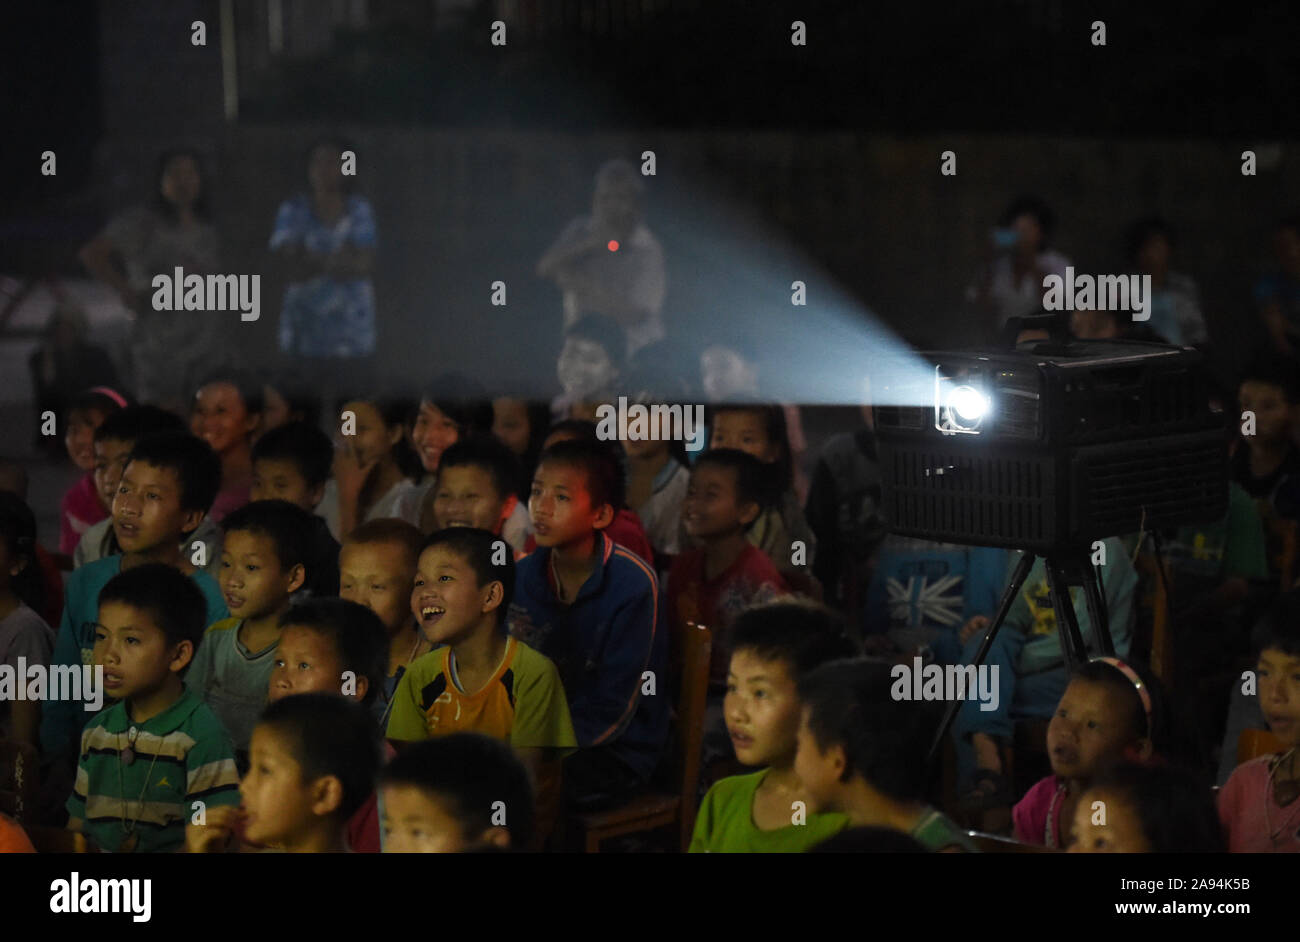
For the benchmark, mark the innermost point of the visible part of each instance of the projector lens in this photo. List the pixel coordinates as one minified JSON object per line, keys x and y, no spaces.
{"x":968,"y":404}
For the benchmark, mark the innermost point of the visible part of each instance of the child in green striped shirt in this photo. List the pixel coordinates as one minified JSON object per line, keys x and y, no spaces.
{"x":157,"y":758}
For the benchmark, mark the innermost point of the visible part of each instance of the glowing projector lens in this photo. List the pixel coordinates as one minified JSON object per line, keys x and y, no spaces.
{"x":968,"y":404}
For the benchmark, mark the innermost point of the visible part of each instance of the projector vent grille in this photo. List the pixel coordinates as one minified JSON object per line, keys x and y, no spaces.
{"x":1117,"y":486}
{"x":944,"y":495}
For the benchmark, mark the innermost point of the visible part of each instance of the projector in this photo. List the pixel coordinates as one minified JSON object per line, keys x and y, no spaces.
{"x":1050,"y":448}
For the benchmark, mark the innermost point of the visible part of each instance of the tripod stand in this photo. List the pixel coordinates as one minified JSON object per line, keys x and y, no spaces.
{"x":1065,"y":569}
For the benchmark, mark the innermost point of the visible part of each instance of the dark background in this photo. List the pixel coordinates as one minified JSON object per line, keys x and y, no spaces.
{"x":475,"y":156}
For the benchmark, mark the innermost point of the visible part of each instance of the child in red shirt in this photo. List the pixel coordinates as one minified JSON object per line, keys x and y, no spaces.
{"x":726,"y":574}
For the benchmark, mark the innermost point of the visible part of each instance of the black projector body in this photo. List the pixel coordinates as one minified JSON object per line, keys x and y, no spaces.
{"x":1080,"y":441}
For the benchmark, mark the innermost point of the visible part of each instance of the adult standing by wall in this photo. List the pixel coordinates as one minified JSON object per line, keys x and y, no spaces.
{"x":168,"y":349}
{"x":326,"y":238}
{"x":609,"y":263}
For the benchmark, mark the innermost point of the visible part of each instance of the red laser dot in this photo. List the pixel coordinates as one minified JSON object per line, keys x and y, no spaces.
{"x":613,"y":245}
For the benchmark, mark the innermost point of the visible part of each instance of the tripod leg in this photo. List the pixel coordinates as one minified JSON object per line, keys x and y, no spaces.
{"x":1004,"y":605}
{"x":1097,"y":610}
{"x":1072,"y":646}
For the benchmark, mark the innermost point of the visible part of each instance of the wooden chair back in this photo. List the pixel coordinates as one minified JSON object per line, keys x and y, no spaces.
{"x":1158,"y":636}
{"x":1253,"y":743}
{"x":697,"y":653}
{"x":655,"y":811}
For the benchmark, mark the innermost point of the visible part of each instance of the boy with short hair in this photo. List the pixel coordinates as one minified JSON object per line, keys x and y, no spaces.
{"x":626,"y":528}
{"x":145,"y":760}
{"x":863,"y":754}
{"x":263,"y":562}
{"x":592,"y":607}
{"x":337,"y":647}
{"x":293,"y":462}
{"x":167,"y":486}
{"x":476,"y":488}
{"x":327,"y":646}
{"x":726,"y":574}
{"x":330,"y":646}
{"x":478,"y":678}
{"x":457,"y":793}
{"x":377,"y":569}
{"x":770,"y":810}
{"x":114,"y":440}
{"x":313,"y":763}
{"x":1267,"y":463}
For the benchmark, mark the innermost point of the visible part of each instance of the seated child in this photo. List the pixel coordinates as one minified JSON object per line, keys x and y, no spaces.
{"x":82,"y":504}
{"x":114,"y":440}
{"x":158,"y":749}
{"x":452,"y":408}
{"x":520,"y":425}
{"x":862,"y":753}
{"x":592,"y":607}
{"x":726,"y":574}
{"x":454,"y":794}
{"x":475,"y":488}
{"x":377,"y":569}
{"x":625,"y":529}
{"x":1110,"y":712}
{"x":478,"y":678}
{"x":761,"y":431}
{"x":1260,"y":806}
{"x":292,"y":462}
{"x":330,"y":646}
{"x":657,"y":475}
{"x":288,"y":398}
{"x":1031,"y":673}
{"x":770,"y":810}
{"x":374,"y":468}
{"x":24,"y":634}
{"x":227,"y":413}
{"x":263,"y":562}
{"x":593,"y":356}
{"x":167,"y":486}
{"x":732,"y":371}
{"x":1267,"y":463}
{"x":313,"y":762}
{"x":336,"y":646}
{"x":1137,"y":809}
